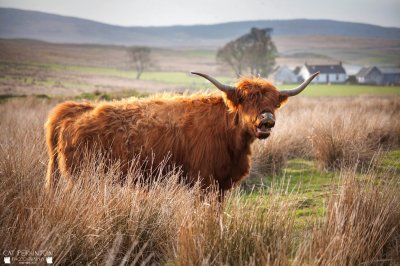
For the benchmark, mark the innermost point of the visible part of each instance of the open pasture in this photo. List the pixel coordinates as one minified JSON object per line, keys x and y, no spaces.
{"x":72,"y":80}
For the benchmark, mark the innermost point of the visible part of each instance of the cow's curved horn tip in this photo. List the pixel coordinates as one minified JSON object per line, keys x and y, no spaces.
{"x":312,"y":76}
{"x":196,"y":73}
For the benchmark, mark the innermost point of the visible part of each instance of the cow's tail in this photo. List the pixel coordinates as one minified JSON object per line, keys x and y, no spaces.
{"x":52,"y":130}
{"x":53,"y":174}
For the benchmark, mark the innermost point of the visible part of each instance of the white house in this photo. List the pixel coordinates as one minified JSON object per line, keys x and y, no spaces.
{"x":328,"y":73}
{"x":284,"y":75}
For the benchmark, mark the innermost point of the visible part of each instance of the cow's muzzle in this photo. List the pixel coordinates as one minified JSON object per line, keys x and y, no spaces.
{"x":265,"y":125}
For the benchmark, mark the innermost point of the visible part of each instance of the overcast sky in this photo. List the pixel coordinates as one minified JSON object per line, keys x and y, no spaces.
{"x":186,"y":12}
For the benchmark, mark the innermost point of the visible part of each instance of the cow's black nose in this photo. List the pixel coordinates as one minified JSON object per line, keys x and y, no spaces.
{"x":267,"y":119}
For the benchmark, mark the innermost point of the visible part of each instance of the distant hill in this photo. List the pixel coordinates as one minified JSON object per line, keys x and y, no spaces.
{"x":15,"y":23}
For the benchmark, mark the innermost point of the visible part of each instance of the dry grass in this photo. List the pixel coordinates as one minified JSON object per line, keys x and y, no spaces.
{"x":336,"y":132}
{"x":97,"y":222}
{"x":361,"y":225}
{"x":356,"y":134}
{"x":246,"y":232}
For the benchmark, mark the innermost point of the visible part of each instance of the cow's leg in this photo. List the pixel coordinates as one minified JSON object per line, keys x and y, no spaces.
{"x":67,"y":168}
{"x":53,"y":173}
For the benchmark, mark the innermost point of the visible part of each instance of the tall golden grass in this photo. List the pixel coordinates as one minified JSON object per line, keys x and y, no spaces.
{"x":336,"y":132}
{"x":97,"y":222}
{"x":361,"y":225}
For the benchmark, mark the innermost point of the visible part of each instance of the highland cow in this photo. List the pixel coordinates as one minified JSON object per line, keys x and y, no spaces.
{"x":208,"y":136}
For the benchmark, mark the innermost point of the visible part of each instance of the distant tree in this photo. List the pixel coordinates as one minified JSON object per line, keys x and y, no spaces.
{"x":140,"y":58}
{"x":233,"y":55}
{"x":254,"y":52}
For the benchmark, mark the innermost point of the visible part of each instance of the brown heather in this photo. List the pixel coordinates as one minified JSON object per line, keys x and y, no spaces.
{"x":97,"y":222}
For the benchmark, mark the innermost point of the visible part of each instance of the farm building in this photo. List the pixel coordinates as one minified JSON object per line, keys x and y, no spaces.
{"x":284,"y":75}
{"x":328,"y":73}
{"x":369,"y":75}
{"x":378,"y":76}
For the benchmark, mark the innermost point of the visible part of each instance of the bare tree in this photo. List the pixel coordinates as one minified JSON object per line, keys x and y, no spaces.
{"x":141,"y":58}
{"x":254,"y":53}
{"x":233,"y":55}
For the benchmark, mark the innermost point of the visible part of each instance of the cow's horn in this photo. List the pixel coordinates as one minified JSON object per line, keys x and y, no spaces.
{"x":219,"y":85}
{"x":300,"y":88}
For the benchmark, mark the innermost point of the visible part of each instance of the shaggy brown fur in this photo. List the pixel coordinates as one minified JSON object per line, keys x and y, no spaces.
{"x":209,"y":136}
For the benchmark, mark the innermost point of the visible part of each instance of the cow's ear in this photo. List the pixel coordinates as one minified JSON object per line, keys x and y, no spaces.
{"x":282,"y":99}
{"x":234,"y":96}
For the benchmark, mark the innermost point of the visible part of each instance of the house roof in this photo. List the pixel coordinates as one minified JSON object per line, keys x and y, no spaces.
{"x":326,"y":69}
{"x":365,"y":71}
{"x":385,"y":71}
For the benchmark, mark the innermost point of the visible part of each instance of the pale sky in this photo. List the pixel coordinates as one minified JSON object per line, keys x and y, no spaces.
{"x":186,"y":12}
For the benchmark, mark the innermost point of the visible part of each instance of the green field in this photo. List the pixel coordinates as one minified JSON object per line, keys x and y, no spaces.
{"x":82,"y":78}
{"x":182,"y":78}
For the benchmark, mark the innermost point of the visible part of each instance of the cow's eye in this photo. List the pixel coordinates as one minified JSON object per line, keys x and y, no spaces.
{"x":278,"y":105}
